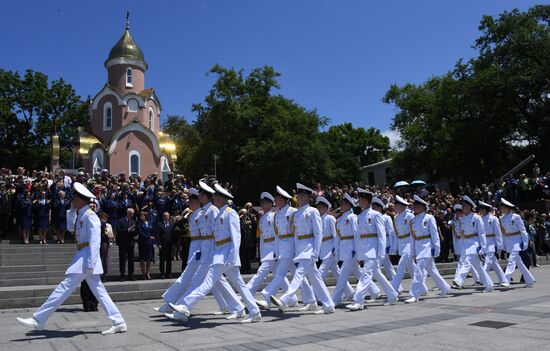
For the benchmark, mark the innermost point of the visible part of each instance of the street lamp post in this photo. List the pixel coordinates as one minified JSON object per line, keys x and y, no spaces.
{"x":215,"y":168}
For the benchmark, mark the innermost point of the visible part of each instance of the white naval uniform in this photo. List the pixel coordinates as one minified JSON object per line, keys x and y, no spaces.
{"x":223,"y":293}
{"x":226,"y":260}
{"x":268,"y":253}
{"x":344,"y":242}
{"x":86,"y":265}
{"x":402,"y":222}
{"x":493,"y":236}
{"x":391,"y":247}
{"x":285,"y":256}
{"x":457,"y":246}
{"x":474,"y":243}
{"x":425,"y":246}
{"x":515,"y":240}
{"x":370,"y":244}
{"x":307,"y":228}
{"x":328,"y":255}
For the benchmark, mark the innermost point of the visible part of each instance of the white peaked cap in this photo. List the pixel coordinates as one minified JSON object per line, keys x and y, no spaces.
{"x":302,"y":187}
{"x":83,"y":191}
{"x":467,"y":199}
{"x":283,"y":193}
{"x":376,"y":200}
{"x":222,"y":191}
{"x":402,"y":201}
{"x":206,"y":187}
{"x":420,"y":200}
{"x":267,"y":196}
{"x":322,"y":199}
{"x":484,"y":204}
{"x":506,"y":203}
{"x":350,"y":199}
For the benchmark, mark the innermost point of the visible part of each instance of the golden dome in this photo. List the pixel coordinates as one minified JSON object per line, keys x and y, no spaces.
{"x":127,"y":48}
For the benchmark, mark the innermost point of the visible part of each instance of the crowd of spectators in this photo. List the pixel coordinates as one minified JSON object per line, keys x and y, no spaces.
{"x":153,"y":212}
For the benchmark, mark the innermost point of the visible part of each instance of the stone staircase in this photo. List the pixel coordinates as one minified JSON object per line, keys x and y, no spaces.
{"x":29,"y":273}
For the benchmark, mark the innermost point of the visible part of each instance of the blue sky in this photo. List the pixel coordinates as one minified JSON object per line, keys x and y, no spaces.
{"x":339,"y":57}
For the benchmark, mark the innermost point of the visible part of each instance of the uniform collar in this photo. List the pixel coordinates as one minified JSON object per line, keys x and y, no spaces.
{"x":223,"y":208}
{"x":83,"y":209}
{"x":284,"y":207}
{"x":207,"y":205}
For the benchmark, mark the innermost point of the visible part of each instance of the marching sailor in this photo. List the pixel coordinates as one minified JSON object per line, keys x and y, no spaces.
{"x":391,"y":240}
{"x":307,"y":229}
{"x":457,"y":244}
{"x":402,"y":227}
{"x":344,"y":243}
{"x":285,"y":255}
{"x":223,"y":293}
{"x":474,"y":244}
{"x":425,"y":246}
{"x":268,"y":244}
{"x":226,"y":260}
{"x":86,"y":265}
{"x":370,"y":247}
{"x":493,"y":236}
{"x":515,"y":240}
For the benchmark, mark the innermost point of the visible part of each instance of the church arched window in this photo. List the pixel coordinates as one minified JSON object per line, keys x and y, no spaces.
{"x":107,"y":116}
{"x":134,"y":163}
{"x":132,"y":105}
{"x":129,"y":77}
{"x":151,"y":119}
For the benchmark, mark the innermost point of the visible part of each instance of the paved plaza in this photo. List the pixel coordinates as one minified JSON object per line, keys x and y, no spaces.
{"x":507,"y":319}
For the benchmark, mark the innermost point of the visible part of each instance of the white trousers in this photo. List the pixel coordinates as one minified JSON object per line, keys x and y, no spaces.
{"x":473,"y":261}
{"x":406,"y":263}
{"x":66,"y":288}
{"x":223,"y":292}
{"x":425,"y":266}
{"x":365,"y":284}
{"x":343,"y":287}
{"x":213,"y":276}
{"x":308,"y":267}
{"x":258,"y":278}
{"x":513,"y":261}
{"x":278,"y":281}
{"x":385,"y":263}
{"x":176,"y":290}
{"x":491,"y":262}
{"x":473,"y":270}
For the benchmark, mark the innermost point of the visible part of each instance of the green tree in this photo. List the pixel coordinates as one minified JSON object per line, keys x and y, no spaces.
{"x":350,"y":148}
{"x":31,"y":111}
{"x":478,"y":120}
{"x":260,"y":139}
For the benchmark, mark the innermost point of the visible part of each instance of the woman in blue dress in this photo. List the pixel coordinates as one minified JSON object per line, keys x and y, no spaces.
{"x":59,"y":216}
{"x":24,"y":205}
{"x":42,"y":220}
{"x":146,"y":244}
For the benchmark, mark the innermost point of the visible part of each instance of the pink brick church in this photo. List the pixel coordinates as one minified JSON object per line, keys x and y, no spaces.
{"x":124,"y":134}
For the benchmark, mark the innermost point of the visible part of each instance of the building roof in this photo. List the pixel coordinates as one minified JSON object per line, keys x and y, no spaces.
{"x":381,"y":164}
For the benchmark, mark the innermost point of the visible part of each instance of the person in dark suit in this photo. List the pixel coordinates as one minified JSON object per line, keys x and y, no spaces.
{"x":165,"y":240}
{"x":125,"y":238}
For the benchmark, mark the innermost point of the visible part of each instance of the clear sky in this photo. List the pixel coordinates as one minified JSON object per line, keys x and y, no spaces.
{"x":337,"y":56}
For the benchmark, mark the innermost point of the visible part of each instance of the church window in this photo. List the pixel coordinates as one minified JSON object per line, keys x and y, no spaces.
{"x":129,"y":77}
{"x":107,"y":116}
{"x":134,"y":163}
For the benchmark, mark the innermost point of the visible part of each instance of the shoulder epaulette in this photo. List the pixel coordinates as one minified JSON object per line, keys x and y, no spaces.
{"x":228,"y":210}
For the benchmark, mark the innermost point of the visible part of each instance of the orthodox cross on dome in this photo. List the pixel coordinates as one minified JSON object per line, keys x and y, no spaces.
{"x":127,"y":20}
